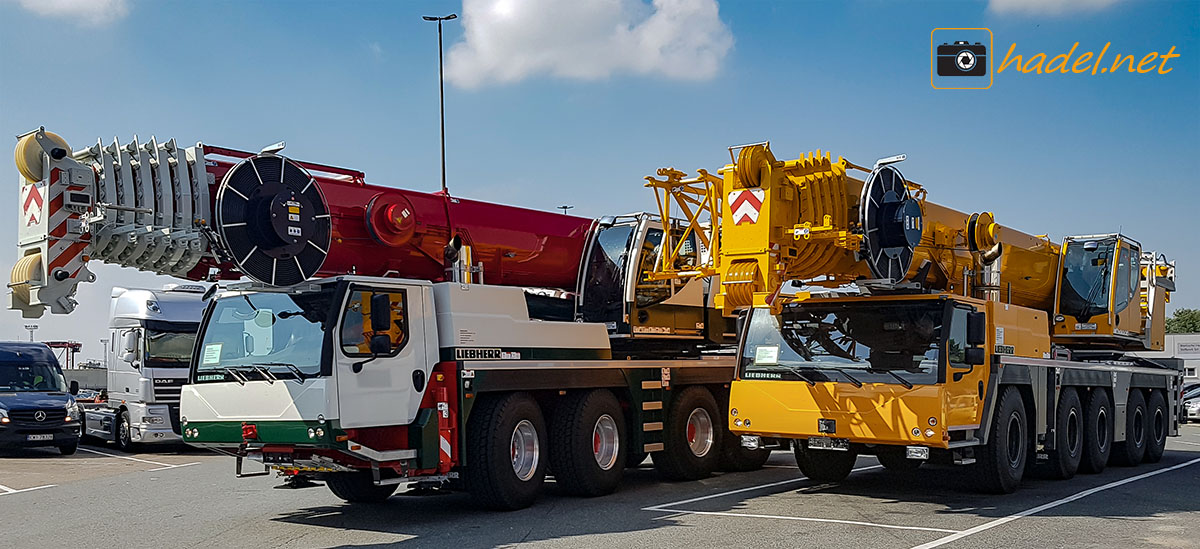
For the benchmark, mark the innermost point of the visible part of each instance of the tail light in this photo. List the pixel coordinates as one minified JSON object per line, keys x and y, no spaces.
{"x":249,"y":431}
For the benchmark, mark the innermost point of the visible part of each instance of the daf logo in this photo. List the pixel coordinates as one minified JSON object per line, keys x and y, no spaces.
{"x":39,"y":416}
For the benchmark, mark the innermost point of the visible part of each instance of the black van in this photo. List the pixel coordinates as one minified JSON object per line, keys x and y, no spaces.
{"x":36,"y":407}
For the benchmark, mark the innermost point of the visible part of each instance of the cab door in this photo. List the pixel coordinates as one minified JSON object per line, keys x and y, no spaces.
{"x":387,"y":388}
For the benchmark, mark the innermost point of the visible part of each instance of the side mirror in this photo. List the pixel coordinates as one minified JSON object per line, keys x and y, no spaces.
{"x":976,"y":329}
{"x":129,"y":342}
{"x":976,"y":356}
{"x":381,"y":314}
{"x":74,"y":387}
{"x":380,"y":344}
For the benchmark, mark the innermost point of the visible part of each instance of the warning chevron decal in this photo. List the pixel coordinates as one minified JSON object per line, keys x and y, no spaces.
{"x":745,"y":205}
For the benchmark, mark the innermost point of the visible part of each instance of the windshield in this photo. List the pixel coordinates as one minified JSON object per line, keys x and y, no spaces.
{"x":26,"y":377}
{"x":1085,"y":278}
{"x":857,"y":342}
{"x":602,"y":297}
{"x":263,"y":335}
{"x":170,"y":347}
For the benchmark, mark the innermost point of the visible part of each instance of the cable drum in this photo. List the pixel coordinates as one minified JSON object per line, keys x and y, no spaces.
{"x":891,"y":222}
{"x":273,"y":220}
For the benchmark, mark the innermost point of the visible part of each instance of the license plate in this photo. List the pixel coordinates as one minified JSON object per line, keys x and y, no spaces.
{"x":827,"y":443}
{"x":36,"y":438}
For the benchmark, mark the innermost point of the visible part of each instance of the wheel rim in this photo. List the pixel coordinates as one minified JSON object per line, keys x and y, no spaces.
{"x":1073,"y":436}
{"x":1160,"y":426}
{"x":605,"y":442}
{"x":1102,"y":429}
{"x":1015,"y":438}
{"x":524,"y":450}
{"x":123,"y":433}
{"x":1139,"y":429}
{"x":699,"y":432}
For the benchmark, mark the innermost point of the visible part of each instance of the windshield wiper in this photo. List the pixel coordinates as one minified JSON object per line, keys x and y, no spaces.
{"x":265,"y":373}
{"x":853,"y":380}
{"x":904,"y":382}
{"x":800,"y":375}
{"x":236,"y":375}
{"x":296,"y":371}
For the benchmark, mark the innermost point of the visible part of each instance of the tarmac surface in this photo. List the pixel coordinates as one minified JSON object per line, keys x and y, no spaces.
{"x":180,"y":497}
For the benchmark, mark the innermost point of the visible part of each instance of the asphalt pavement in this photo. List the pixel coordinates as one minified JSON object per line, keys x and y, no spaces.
{"x":180,"y":497}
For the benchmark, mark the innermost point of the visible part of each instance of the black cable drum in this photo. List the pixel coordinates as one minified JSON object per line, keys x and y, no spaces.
{"x":273,"y":220}
{"x":891,"y":222}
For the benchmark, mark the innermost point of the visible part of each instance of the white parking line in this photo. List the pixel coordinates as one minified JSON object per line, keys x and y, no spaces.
{"x":6,"y":490}
{"x":662,"y":507}
{"x":987,"y":526}
{"x":809,"y":519}
{"x":1186,"y":442}
{"x":162,"y":466}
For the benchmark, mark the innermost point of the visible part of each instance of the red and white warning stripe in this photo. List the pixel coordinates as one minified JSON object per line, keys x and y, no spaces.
{"x":745,"y":205}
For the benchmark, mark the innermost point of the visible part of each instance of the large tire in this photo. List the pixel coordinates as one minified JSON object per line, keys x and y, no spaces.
{"x":824,"y":465}
{"x":1097,"y":432}
{"x":735,"y":458}
{"x":358,"y":487}
{"x":1000,"y":464}
{"x":587,"y":443}
{"x":897,"y":460}
{"x":1132,"y":450}
{"x":691,"y":438}
{"x":1157,"y":419}
{"x":121,"y":434}
{"x":1068,"y":434}
{"x":499,"y":427}
{"x":69,"y":448}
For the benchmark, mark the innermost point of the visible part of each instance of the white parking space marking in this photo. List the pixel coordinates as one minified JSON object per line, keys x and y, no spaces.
{"x":162,"y":466}
{"x":809,"y":519}
{"x":987,"y":526}
{"x":6,"y":490}
{"x":663,"y":507}
{"x":1186,"y":442}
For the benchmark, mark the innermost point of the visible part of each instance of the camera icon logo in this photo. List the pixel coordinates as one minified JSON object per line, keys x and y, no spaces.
{"x":958,"y":52}
{"x":962,"y":59}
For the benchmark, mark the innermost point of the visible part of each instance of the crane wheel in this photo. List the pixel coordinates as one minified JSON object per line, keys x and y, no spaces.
{"x":506,"y":443}
{"x":1000,"y":464}
{"x":1097,"y":432}
{"x":1068,"y":433}
{"x":28,"y":154}
{"x":1157,"y":426}
{"x":1132,"y":450}
{"x":824,"y":465}
{"x":358,"y":487}
{"x":691,"y":438}
{"x":588,"y":443}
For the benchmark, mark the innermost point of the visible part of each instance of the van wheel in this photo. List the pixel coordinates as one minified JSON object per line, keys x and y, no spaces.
{"x":1097,"y":432}
{"x":824,"y":465}
{"x":506,"y":442}
{"x":69,"y":448}
{"x":1130,"y":451}
{"x":1000,"y":464}
{"x":587,"y":443}
{"x":121,"y":434}
{"x":1068,"y":433}
{"x":358,"y":487}
{"x":1156,"y":418}
{"x":692,"y":439}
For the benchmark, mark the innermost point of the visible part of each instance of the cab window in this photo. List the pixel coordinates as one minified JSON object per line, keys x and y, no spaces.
{"x":356,"y":330}
{"x":956,"y":343}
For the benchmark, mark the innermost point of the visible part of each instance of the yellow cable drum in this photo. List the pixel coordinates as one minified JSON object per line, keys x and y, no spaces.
{"x":28,"y":154}
{"x":26,"y":269}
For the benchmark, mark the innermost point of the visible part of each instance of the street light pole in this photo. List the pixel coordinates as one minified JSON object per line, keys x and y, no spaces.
{"x":442,"y":89}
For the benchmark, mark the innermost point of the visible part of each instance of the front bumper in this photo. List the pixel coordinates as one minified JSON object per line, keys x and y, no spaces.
{"x":17,"y":436}
{"x":151,"y":433}
{"x":1193,"y":415}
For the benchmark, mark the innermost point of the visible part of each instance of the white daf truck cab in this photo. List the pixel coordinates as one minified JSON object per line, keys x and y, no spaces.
{"x":150,"y":340}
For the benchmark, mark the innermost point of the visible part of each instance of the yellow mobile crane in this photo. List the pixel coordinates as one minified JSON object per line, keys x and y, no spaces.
{"x":877,"y":322}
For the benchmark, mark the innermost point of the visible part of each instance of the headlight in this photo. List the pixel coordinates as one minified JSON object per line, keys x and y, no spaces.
{"x":153,"y":420}
{"x":3,"y":416}
{"x":1191,"y":405}
{"x":73,"y":411}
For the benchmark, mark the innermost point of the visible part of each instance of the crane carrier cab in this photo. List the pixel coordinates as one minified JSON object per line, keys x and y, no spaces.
{"x":370,"y":383}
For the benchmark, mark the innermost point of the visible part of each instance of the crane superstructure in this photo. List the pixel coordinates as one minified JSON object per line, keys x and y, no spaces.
{"x":878,"y":322}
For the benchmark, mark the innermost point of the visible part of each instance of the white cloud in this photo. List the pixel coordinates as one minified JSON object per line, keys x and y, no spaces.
{"x":85,"y":12}
{"x":507,"y":40}
{"x":1047,"y":7}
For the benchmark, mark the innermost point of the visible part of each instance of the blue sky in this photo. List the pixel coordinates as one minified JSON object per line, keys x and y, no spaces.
{"x":355,"y":84}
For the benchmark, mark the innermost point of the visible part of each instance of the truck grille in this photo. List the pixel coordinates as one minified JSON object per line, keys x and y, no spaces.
{"x":53,"y":417}
{"x":167,"y":393}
